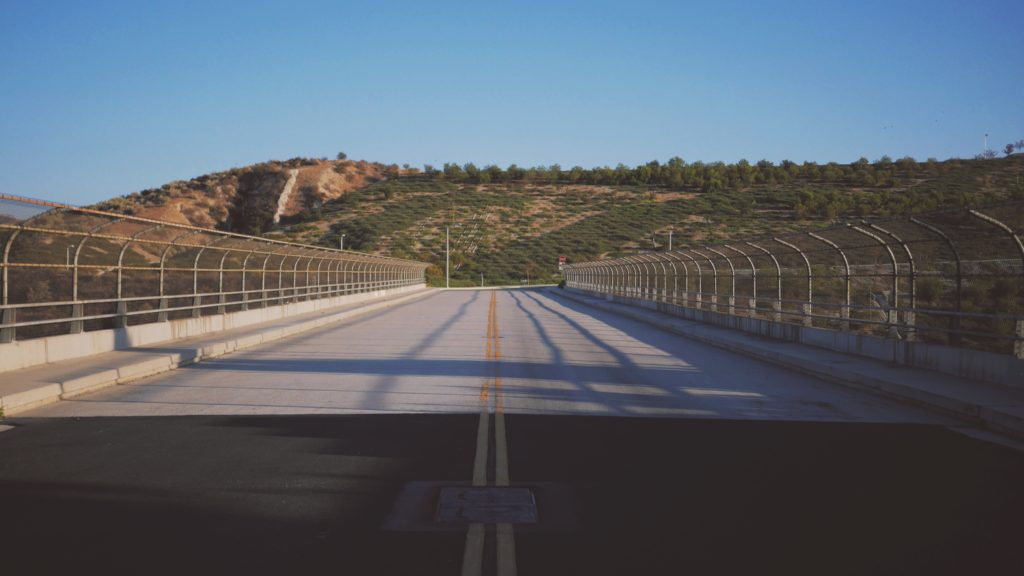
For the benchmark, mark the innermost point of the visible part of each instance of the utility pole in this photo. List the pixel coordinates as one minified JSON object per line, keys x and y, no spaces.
{"x":670,"y":240}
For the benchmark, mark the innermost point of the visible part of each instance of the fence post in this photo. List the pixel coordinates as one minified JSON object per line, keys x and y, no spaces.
{"x":245,"y":293}
{"x":806,"y":306}
{"x":891,"y":316}
{"x":10,"y":316}
{"x":908,"y":316}
{"x":731,"y":299}
{"x":122,"y":314}
{"x":714,"y":279}
{"x":77,"y":311}
{"x":954,"y":321}
{"x":752,"y":301}
{"x":161,"y":316}
{"x":197,"y":301}
{"x":844,"y":310}
{"x":699,"y":297}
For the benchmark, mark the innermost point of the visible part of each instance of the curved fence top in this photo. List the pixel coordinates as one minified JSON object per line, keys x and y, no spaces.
{"x":952,"y":276}
{"x":54,"y":254}
{"x":41,"y":224}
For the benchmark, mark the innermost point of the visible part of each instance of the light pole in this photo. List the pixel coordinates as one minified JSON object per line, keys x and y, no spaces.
{"x":447,"y":252}
{"x":341,"y":242}
{"x":68,"y":254}
{"x":670,"y":240}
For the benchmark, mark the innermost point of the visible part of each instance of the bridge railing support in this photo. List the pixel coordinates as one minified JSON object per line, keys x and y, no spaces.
{"x":7,"y":322}
{"x":67,"y":269}
{"x":954,"y":277}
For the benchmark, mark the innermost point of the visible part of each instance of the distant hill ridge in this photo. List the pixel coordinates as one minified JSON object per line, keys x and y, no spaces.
{"x":512,"y":224}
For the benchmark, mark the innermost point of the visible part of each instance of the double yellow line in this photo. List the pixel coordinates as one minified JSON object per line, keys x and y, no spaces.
{"x":472,"y":560}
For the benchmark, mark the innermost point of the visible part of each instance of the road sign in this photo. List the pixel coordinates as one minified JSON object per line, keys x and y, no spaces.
{"x":561,"y":262}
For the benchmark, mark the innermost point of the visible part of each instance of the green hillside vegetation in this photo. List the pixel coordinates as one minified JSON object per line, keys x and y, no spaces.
{"x":512,"y":224}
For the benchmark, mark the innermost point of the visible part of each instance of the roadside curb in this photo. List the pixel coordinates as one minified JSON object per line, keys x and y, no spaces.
{"x":990,"y":417}
{"x":62,"y":389}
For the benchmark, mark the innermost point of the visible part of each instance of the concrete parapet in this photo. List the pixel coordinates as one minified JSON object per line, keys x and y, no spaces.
{"x":18,"y":355}
{"x":1002,"y":369}
{"x":35,"y":386}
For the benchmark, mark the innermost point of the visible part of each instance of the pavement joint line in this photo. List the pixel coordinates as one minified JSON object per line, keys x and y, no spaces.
{"x":67,"y":388}
{"x":967,"y":412}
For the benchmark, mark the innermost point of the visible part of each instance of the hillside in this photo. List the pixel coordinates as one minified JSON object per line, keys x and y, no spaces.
{"x":248,"y":199}
{"x":513,"y":224}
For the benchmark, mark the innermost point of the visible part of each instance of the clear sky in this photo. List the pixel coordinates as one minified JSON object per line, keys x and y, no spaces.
{"x":103,"y":98}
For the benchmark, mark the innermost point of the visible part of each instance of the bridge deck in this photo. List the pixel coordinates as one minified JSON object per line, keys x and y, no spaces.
{"x":646,"y":453}
{"x":557,"y":357}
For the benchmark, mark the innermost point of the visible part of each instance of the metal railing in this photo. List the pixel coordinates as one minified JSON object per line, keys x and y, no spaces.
{"x":952,"y":277}
{"x":67,"y":269}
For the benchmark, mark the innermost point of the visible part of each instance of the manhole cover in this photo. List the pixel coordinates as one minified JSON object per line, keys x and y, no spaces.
{"x":486,"y":505}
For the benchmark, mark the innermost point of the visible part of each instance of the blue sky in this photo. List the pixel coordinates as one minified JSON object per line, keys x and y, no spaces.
{"x":105,"y":98}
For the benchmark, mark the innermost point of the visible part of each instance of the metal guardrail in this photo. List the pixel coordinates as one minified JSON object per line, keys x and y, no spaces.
{"x":951,"y":277}
{"x":68,"y":269}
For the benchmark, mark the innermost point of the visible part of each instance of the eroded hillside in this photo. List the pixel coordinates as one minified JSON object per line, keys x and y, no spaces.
{"x":248,"y":199}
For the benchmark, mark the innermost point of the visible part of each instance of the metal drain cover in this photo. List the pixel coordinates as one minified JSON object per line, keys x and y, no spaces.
{"x":486,"y":505}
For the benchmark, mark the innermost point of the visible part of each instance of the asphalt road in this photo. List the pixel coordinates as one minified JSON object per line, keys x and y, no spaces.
{"x":645,"y":453}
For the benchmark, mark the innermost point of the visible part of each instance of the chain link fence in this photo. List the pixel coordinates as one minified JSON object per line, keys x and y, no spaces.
{"x":952,"y":277}
{"x":65,"y":269}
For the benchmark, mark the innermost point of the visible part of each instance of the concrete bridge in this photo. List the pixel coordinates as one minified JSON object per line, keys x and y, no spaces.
{"x":394,"y":429}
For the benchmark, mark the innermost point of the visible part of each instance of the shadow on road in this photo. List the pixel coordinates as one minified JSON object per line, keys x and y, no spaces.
{"x":301,"y":494}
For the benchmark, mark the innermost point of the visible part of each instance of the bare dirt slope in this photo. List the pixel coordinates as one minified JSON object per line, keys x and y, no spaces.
{"x":246,"y":199}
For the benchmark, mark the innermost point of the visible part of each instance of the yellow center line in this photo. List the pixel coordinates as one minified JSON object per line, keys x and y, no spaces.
{"x":473,"y":554}
{"x":485,"y":389}
{"x":482,"y":438}
{"x":472,"y":559}
{"x":501,"y":477}
{"x":506,"y":540}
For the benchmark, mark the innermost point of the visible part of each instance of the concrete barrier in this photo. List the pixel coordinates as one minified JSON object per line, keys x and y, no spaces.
{"x":1002,"y":369}
{"x":25,"y":354}
{"x":41,"y":385}
{"x":997,"y":407}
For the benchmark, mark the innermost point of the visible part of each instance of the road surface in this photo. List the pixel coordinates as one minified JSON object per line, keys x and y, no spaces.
{"x":641,"y":452}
